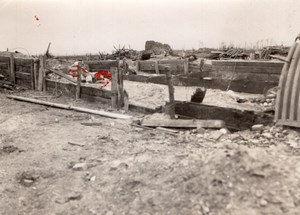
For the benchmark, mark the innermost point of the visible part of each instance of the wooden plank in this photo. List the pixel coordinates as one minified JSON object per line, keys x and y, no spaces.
{"x":248,"y":69}
{"x":178,"y":62}
{"x":146,"y":65}
{"x":95,"y":66}
{"x":233,"y":118}
{"x":4,"y":59}
{"x":247,"y":86}
{"x":23,"y":61}
{"x":68,"y":107}
{"x":12,"y":69}
{"x":114,"y":87}
{"x":244,"y":76}
{"x":70,"y":89}
{"x":246,"y":63}
{"x":23,"y":75}
{"x":62,"y":74}
{"x":183,"y":123}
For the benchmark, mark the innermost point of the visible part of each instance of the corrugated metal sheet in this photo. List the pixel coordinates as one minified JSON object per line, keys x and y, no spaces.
{"x":287,"y":110}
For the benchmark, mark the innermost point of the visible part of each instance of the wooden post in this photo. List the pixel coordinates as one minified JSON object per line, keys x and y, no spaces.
{"x":186,"y":66}
{"x":120,"y":86}
{"x":78,"y":86}
{"x":114,"y":87}
{"x":12,"y":69}
{"x":201,"y":64}
{"x":138,"y":65}
{"x":171,"y":106}
{"x":124,"y":66}
{"x":156,"y":67}
{"x":42,"y":78}
{"x":35,"y":73}
{"x":32,"y":74}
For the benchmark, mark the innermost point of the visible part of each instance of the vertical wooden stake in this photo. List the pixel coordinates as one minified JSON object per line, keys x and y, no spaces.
{"x":32,"y":74}
{"x":186,"y":66}
{"x":171,"y":105}
{"x":41,"y":79}
{"x":156,"y":67}
{"x":12,"y":69}
{"x":201,"y":64}
{"x":78,"y":86}
{"x":35,"y":73}
{"x":120,"y":86}
{"x":138,"y":65}
{"x":44,"y":72}
{"x":114,"y":87}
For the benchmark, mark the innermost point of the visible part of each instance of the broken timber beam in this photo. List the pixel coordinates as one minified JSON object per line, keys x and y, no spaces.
{"x":183,"y":123}
{"x":68,"y":107}
{"x":61,"y":74}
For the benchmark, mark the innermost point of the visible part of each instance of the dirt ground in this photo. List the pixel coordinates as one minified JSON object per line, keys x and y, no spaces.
{"x":53,"y":163}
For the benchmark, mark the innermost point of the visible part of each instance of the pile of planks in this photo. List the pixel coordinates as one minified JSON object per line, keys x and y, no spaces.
{"x":7,"y":85}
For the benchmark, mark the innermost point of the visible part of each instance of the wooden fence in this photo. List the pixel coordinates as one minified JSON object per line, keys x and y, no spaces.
{"x":20,"y":71}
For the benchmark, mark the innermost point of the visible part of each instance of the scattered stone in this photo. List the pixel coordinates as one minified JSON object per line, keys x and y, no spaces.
{"x":56,"y":120}
{"x":258,"y":127}
{"x":80,"y":167}
{"x":27,"y":182}
{"x":27,"y":178}
{"x":74,"y":196}
{"x":93,"y":178}
{"x":259,"y":193}
{"x":200,"y":131}
{"x":263,"y":202}
{"x":76,"y":144}
{"x":255,"y":141}
{"x":224,"y":131}
{"x":9,"y":149}
{"x":294,"y":144}
{"x":268,"y":135}
{"x":215,"y":135}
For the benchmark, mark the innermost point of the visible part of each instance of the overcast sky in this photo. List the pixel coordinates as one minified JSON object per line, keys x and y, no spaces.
{"x":89,"y":26}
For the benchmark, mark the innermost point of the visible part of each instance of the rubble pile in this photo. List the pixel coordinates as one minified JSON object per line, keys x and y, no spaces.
{"x":273,"y":50}
{"x":234,"y":54}
{"x":157,"y":48}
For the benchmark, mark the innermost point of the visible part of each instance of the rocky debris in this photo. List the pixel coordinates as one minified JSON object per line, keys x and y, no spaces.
{"x":80,"y":167}
{"x":234,"y":54}
{"x":264,"y":101}
{"x":215,"y":135}
{"x":27,"y":178}
{"x":9,"y":149}
{"x":258,"y":127}
{"x":158,"y":48}
{"x":263,"y":136}
{"x":71,"y":196}
{"x":273,"y":50}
